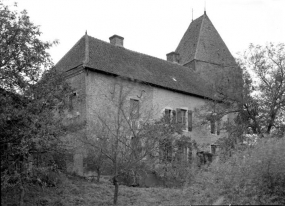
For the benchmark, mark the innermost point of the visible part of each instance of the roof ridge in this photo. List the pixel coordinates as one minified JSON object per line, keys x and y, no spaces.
{"x":86,"y":52}
{"x":147,"y":55}
{"x":199,"y":36}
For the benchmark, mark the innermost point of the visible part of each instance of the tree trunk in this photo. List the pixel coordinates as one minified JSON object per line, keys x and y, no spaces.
{"x":269,"y":129}
{"x":22,"y":194}
{"x":98,"y":175}
{"x":115,"y":182}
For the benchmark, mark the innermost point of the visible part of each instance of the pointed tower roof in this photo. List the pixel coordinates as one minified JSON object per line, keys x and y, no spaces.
{"x":202,"y":41}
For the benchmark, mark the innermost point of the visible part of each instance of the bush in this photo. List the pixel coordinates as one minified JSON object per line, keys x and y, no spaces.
{"x":255,"y":175}
{"x":252,"y":175}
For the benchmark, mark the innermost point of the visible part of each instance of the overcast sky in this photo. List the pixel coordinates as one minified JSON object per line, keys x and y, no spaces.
{"x":155,"y":27}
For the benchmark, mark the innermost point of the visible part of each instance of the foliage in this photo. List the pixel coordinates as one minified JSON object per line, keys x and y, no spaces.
{"x":254,"y":175}
{"x":264,"y":93}
{"x":96,"y":161}
{"x":31,"y":100}
{"x":22,"y":52}
{"x":77,"y":191}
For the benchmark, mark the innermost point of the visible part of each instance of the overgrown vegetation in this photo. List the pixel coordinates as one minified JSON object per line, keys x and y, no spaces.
{"x":31,"y":99}
{"x":254,"y":175}
{"x":249,"y":169}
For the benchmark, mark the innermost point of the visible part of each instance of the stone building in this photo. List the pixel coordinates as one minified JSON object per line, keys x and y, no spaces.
{"x":181,"y":83}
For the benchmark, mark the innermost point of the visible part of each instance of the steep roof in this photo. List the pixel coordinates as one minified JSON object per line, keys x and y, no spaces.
{"x":105,"y":57}
{"x":202,"y":41}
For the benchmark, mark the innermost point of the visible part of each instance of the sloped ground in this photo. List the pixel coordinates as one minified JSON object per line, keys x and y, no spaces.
{"x":77,"y":191}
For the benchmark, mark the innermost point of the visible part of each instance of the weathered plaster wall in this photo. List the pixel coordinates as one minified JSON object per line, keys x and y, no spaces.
{"x":102,"y":95}
{"x":97,"y":96}
{"x":75,"y":118}
{"x":166,"y":99}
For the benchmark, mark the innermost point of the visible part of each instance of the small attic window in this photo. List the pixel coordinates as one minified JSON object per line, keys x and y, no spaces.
{"x":174,"y":79}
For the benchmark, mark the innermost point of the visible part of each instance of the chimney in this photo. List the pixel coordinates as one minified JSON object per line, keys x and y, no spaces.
{"x":117,"y":40}
{"x":173,"y":57}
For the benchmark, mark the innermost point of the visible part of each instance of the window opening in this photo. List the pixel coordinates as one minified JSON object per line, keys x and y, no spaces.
{"x":134,"y":108}
{"x":165,"y":150}
{"x":212,"y":126}
{"x":218,"y":127}
{"x":181,"y":117}
{"x":167,"y":114}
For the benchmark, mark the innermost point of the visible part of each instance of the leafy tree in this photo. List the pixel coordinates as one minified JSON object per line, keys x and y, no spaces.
{"x":264,"y":91}
{"x":23,"y":54}
{"x":261,"y":106}
{"x":31,"y":98}
{"x":257,"y":105}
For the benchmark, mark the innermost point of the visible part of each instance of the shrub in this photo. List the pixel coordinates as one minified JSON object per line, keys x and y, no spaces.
{"x":255,"y":175}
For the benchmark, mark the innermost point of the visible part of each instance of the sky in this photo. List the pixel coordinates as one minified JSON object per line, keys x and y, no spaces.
{"x":155,"y":27}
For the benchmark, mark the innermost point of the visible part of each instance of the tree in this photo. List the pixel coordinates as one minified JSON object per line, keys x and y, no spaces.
{"x":256,"y":105}
{"x":261,"y":105}
{"x":31,"y":98}
{"x":264,"y":98}
{"x":22,"y":52}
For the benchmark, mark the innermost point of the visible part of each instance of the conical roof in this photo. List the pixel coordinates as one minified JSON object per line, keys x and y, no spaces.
{"x":202,"y":41}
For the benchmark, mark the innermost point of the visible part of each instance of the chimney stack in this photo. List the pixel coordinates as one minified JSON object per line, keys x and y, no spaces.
{"x":173,"y":57}
{"x":117,"y":40}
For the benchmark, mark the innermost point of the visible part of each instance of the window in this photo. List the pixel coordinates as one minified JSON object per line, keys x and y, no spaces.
{"x":218,"y":127}
{"x":71,"y":100}
{"x":165,"y":146}
{"x":213,"y":149}
{"x":134,"y":109}
{"x":167,"y":114}
{"x":181,"y":117}
{"x":174,"y":115}
{"x":215,"y":126}
{"x":212,"y":126}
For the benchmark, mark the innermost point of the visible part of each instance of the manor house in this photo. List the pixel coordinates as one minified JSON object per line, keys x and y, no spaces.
{"x":178,"y":85}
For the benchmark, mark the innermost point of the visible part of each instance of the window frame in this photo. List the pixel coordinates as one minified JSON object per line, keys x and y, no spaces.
{"x":174,"y":115}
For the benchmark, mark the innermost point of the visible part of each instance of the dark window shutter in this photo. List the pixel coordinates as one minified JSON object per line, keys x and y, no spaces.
{"x":179,"y":117}
{"x":190,"y":120}
{"x":174,"y":115}
{"x":212,"y":126}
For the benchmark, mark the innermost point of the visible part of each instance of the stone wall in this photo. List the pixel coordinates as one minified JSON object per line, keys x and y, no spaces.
{"x":97,"y":96}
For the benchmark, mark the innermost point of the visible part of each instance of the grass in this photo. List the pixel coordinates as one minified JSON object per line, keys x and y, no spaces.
{"x":78,"y":191}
